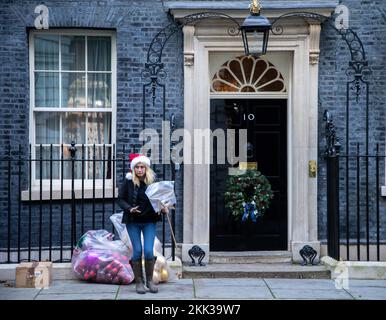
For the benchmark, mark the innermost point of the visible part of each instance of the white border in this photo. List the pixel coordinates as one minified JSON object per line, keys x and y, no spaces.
{"x":301,"y":210}
{"x":273,"y":95}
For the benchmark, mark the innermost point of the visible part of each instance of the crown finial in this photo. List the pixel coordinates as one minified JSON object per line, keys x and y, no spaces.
{"x":255,"y":6}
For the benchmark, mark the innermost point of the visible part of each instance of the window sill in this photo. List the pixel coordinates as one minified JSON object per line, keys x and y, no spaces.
{"x":56,"y":194}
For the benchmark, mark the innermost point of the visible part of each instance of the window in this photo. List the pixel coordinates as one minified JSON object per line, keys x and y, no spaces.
{"x":248,"y":74}
{"x":72,"y":99}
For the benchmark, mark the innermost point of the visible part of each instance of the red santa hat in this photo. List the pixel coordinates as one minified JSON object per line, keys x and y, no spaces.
{"x":136,"y":158}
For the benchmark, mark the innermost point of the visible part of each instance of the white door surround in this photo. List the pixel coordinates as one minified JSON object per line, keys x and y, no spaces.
{"x":300,"y":41}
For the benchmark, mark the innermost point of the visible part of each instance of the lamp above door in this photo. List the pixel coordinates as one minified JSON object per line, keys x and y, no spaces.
{"x":255,"y":31}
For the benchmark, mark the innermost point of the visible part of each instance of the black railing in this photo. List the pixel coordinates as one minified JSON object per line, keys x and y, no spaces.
{"x":355,"y":227}
{"x":50,"y":195}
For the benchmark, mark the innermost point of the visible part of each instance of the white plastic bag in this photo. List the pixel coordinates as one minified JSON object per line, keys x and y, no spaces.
{"x":161,"y":194}
{"x":116,"y":219}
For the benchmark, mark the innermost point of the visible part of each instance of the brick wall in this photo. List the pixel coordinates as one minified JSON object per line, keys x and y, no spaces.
{"x":367,"y":19}
{"x":135,"y":24}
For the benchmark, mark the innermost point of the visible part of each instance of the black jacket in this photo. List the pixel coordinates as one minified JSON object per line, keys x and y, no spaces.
{"x":130,"y":196}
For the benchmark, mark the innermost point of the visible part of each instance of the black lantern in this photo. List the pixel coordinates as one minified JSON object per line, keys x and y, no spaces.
{"x":255,"y":31}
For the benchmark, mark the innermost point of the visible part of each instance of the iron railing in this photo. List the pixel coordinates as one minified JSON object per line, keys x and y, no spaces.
{"x":48,"y":200}
{"x":355,"y":223}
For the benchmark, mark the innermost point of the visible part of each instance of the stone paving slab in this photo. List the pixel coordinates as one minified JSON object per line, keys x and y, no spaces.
{"x":368,"y":293}
{"x":171,"y":291}
{"x":310,"y":294}
{"x":78,"y":287}
{"x":227,"y":292}
{"x":217,"y":288}
{"x":78,"y":296}
{"x":177,"y":282}
{"x":7,"y":293}
{"x":367,"y":283}
{"x":300,"y":283}
{"x":230,"y":282}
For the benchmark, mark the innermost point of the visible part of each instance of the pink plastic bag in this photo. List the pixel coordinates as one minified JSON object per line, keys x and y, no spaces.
{"x":97,"y":258}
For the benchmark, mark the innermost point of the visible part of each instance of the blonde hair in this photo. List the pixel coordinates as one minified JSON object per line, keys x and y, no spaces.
{"x":149,"y":176}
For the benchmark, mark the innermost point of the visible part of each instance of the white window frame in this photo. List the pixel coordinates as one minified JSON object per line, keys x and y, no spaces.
{"x":383,"y":188}
{"x":56,"y":183}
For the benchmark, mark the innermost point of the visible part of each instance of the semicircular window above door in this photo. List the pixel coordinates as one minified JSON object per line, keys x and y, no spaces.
{"x":248,"y":74}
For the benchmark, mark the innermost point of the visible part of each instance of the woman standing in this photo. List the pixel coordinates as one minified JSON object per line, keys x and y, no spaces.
{"x":139,"y":216}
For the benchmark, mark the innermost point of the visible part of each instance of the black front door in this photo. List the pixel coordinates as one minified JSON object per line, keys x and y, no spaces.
{"x":265,"y":121}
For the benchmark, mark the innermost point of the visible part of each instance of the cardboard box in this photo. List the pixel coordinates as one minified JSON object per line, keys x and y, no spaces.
{"x":34,"y":274}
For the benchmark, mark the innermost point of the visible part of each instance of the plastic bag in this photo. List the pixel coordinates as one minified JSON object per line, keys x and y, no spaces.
{"x":161,"y":268}
{"x":161,"y":194}
{"x":97,"y":258}
{"x":121,"y":229}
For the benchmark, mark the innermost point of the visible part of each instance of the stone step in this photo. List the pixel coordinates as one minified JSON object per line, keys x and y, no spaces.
{"x":256,"y":270}
{"x":250,"y":257}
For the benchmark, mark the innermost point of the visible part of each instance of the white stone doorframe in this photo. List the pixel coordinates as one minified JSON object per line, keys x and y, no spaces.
{"x":303,"y":44}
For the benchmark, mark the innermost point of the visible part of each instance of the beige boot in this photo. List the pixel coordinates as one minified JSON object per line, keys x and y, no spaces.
{"x":137,"y":269}
{"x":149,"y":269}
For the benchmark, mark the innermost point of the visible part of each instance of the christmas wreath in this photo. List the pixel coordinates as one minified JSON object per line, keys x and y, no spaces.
{"x":248,"y":195}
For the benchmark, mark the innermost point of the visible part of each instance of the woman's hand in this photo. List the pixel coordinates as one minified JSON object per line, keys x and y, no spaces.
{"x":165,"y":210}
{"x":135,"y":210}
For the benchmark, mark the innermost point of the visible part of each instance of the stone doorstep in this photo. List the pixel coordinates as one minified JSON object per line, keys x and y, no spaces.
{"x":63,"y":271}
{"x":366,"y":270}
{"x":250,"y":257}
{"x":257,"y":270}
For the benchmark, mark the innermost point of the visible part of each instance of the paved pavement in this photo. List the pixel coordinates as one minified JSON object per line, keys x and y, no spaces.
{"x":195,"y":289}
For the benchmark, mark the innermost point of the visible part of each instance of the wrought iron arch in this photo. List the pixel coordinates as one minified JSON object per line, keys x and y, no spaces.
{"x":358,"y":67}
{"x":154,"y":54}
{"x":154,"y":68}
{"x":354,"y":43}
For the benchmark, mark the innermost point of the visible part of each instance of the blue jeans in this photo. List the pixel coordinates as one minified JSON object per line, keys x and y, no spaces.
{"x":148,"y":230}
